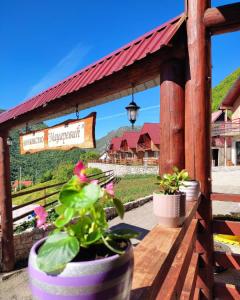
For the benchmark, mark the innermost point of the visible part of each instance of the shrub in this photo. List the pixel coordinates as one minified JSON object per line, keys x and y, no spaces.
{"x":64,"y":171}
{"x":46,"y":176}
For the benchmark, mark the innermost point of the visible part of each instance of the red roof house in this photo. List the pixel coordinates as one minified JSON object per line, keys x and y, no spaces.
{"x":149,"y":137}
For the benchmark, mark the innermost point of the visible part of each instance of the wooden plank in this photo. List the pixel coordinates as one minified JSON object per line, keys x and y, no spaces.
{"x":225,"y":197}
{"x":35,"y":200}
{"x":191,"y":278}
{"x":172,"y":116}
{"x":197,"y":132}
{"x":197,"y":294}
{"x":226,"y":227}
{"x":227,"y":259}
{"x":36,"y":190}
{"x":226,"y":291}
{"x":7,"y":244}
{"x":223,"y":19}
{"x":174,"y":281}
{"x":154,"y":256}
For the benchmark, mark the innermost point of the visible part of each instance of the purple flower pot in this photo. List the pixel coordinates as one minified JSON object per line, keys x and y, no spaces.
{"x":108,"y":278}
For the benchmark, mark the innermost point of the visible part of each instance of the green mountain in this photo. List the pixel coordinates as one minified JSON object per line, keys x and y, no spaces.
{"x":220,"y":91}
{"x":102,"y":143}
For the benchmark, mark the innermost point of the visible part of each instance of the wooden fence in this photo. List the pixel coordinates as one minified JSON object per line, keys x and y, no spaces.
{"x":103,"y":179}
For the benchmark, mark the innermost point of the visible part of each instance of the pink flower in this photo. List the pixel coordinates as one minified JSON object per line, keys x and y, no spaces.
{"x":80,"y":171}
{"x":41,"y":215}
{"x":109,"y":189}
{"x":95,"y":181}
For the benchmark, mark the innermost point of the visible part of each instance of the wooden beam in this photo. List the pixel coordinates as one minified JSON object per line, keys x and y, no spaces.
{"x":8,"y":258}
{"x":105,"y":90}
{"x":225,"y":291}
{"x":190,"y":280}
{"x":223,"y":19}
{"x":197,"y":133}
{"x":226,"y":227}
{"x":172,"y":116}
{"x":225,"y":197}
{"x":227,"y":259}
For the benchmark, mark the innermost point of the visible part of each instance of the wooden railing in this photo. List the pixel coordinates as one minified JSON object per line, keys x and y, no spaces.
{"x":103,"y":179}
{"x":166,"y":264}
{"x":226,"y":259}
{"x":228,"y":128}
{"x":151,"y":161}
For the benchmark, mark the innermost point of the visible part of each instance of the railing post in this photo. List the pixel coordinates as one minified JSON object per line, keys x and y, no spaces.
{"x":172,"y":116}
{"x":8,"y":257}
{"x":197,"y":134}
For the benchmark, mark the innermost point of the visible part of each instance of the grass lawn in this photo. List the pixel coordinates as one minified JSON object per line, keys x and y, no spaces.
{"x":24,"y":199}
{"x":132,"y":187}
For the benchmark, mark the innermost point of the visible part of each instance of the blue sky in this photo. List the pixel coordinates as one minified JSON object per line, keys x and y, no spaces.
{"x":44,"y":41}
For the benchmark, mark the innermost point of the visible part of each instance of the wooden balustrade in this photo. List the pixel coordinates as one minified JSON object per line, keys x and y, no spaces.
{"x":166,"y":265}
{"x":223,"y":290}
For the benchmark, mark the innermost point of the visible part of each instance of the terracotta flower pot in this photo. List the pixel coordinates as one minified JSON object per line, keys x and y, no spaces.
{"x":169,"y":209}
{"x":191,"y":188}
{"x":108,"y":278}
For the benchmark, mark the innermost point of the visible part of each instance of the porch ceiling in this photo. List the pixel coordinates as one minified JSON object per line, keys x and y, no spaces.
{"x":108,"y":79}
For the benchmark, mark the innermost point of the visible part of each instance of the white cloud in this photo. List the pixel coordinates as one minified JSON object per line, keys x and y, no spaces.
{"x":123,"y":114}
{"x":65,"y":67}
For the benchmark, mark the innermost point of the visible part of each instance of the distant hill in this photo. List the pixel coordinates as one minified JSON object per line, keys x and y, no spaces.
{"x":103,"y":142}
{"x":220,"y":91}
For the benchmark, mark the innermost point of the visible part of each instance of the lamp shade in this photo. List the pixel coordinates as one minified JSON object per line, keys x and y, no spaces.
{"x":132,"y":111}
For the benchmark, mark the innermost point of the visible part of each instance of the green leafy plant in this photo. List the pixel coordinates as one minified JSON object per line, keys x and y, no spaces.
{"x":80,"y":201}
{"x":169,"y":184}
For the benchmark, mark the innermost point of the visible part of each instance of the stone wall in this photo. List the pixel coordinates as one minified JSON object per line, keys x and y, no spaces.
{"x":120,"y":170}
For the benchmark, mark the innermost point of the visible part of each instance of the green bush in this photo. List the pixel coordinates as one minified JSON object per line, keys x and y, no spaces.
{"x":64,"y":171}
{"x":48,"y":175}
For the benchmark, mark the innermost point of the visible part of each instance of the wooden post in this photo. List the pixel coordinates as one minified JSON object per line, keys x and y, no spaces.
{"x":225,"y":138}
{"x":172,"y":116}
{"x":8,"y":259}
{"x":197,"y":134}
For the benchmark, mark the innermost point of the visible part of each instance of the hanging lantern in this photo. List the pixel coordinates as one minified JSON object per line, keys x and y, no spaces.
{"x":132,"y":110}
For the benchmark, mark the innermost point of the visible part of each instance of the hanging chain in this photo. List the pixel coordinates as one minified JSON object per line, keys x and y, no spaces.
{"x":132,"y":92}
{"x":77,"y":112}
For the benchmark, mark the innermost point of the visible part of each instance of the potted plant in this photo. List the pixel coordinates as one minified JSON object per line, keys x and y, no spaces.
{"x":169,"y":203}
{"x":190,"y":187}
{"x":82,"y":258}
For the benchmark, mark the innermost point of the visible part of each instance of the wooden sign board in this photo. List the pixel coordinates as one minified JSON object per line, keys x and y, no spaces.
{"x":65,"y":136}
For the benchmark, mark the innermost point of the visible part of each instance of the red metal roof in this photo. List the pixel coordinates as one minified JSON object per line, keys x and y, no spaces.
{"x":114,"y":62}
{"x":232,"y":95}
{"x":216,"y":115}
{"x":115,"y":144}
{"x":153,"y":130}
{"x":131,"y":137}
